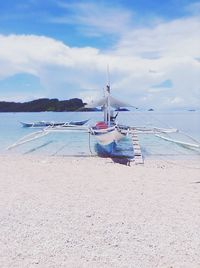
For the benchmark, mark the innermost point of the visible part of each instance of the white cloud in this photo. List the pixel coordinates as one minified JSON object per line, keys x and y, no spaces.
{"x":170,"y":49}
{"x":50,"y":60}
{"x":95,"y":19}
{"x":172,"y":39}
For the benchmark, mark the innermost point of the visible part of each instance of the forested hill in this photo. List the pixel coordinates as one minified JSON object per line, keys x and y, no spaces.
{"x":41,"y":105}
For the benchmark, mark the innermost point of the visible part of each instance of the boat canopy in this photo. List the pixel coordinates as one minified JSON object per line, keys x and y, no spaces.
{"x":112,"y":101}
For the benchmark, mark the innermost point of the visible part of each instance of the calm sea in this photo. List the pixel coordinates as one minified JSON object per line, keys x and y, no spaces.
{"x":79,"y":143}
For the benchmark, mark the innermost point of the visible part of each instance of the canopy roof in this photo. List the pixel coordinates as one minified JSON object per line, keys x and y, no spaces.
{"x":113,"y":103}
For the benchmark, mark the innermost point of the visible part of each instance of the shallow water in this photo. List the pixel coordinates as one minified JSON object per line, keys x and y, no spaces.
{"x":81,"y":144}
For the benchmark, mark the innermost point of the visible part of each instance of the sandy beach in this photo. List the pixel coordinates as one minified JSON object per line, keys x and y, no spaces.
{"x":92,"y":212}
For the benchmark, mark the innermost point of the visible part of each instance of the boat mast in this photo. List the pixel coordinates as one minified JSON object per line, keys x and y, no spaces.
{"x":108,"y":98}
{"x":108,"y":104}
{"x":104,"y":106}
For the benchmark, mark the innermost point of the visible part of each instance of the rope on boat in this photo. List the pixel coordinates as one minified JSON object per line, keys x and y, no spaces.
{"x":90,"y":143}
{"x":188,"y":145}
{"x":178,"y":141}
{"x":193,"y":139}
{"x":139,"y":114}
{"x":145,"y":118}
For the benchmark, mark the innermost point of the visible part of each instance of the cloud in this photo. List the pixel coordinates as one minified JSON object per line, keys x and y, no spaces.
{"x":38,"y":54}
{"x":94,"y":19}
{"x":142,"y":58}
{"x":179,"y":37}
{"x":193,"y":8}
{"x":165,"y":85}
{"x":171,"y":50}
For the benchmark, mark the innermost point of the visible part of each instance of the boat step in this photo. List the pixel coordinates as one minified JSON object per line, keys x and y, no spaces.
{"x":137,"y":155}
{"x":137,"y":159}
{"x":137,"y":151}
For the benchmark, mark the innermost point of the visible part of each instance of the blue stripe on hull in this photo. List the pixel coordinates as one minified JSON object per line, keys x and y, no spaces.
{"x":105,"y":149}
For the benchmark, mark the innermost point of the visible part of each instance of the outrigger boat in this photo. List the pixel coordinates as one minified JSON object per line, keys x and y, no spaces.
{"x":42,"y":124}
{"x":108,"y":132}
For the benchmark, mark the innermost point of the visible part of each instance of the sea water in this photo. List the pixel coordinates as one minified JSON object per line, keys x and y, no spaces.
{"x":83,"y":144}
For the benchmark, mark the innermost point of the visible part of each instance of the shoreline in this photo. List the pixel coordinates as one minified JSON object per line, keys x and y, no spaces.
{"x":91,"y":212}
{"x":150,"y":157}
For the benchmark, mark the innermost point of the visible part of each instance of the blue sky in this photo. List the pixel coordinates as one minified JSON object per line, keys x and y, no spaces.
{"x":42,"y":17}
{"x":60,"y":48}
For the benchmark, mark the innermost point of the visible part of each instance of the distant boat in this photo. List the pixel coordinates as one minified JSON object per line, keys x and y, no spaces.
{"x":42,"y":124}
{"x":151,"y":110}
{"x":191,"y":110}
{"x":122,"y":109}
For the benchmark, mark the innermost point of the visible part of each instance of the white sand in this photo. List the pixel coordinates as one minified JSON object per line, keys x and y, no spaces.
{"x":90,"y":212}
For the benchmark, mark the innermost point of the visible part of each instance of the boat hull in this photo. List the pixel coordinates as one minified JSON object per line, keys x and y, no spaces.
{"x":106,"y":150}
{"x":107,"y":139}
{"x":42,"y":124}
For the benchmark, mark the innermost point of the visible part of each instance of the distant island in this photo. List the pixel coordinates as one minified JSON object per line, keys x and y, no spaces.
{"x":48,"y":105}
{"x":43,"y":105}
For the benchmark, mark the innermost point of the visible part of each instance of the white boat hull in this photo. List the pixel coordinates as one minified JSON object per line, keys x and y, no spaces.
{"x":108,"y":136}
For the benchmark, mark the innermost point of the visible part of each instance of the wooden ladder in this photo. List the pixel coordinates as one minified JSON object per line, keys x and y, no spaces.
{"x":138,"y":159}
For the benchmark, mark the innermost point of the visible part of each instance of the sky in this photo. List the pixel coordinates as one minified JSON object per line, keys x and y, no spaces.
{"x":61,"y":49}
